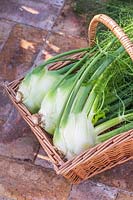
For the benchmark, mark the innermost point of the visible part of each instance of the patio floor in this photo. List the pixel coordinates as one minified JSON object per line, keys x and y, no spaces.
{"x":31,"y":31}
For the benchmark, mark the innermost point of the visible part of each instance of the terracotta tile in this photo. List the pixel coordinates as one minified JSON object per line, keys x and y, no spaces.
{"x":58,"y":43}
{"x":39,"y":14}
{"x":16,"y":138}
{"x":70,"y":22}
{"x":5,"y":29}
{"x":4,"y":198}
{"x":28,"y":182}
{"x":58,"y":3}
{"x":20,"y":50}
{"x":22,"y":148}
{"x":123,"y":195}
{"x":91,"y":191}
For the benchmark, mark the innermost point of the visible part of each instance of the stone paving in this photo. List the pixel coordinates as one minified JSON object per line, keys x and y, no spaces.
{"x":31,"y":31}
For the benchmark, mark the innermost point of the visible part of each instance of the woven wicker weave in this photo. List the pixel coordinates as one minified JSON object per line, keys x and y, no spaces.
{"x":116,"y":150}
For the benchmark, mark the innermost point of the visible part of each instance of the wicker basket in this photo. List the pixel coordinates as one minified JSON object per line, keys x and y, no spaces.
{"x":106,"y":155}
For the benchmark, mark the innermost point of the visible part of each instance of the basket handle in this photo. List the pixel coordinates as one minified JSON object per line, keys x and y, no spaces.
{"x":114,"y":27}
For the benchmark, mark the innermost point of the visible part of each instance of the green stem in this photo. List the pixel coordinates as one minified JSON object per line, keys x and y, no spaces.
{"x":80,"y":99}
{"x":110,"y":134}
{"x":82,"y":78}
{"x":112,"y":122}
{"x":90,"y":101}
{"x":66,"y":68}
{"x":122,"y":91}
{"x":79,"y":63}
{"x":119,"y":106}
{"x":93,"y":109}
{"x":111,"y":115}
{"x":99,"y":77}
{"x":78,"y":75}
{"x":54,"y":58}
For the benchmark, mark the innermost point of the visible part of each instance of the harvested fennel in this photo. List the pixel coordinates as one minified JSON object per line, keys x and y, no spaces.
{"x":86,"y":102}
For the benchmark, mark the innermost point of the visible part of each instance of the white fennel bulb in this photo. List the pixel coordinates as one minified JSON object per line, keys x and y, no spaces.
{"x":76,"y":136}
{"x":53,"y":104}
{"x":34,"y":87}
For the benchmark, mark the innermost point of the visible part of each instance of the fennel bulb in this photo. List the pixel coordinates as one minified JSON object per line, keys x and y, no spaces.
{"x":53,"y":104}
{"x":34,"y":87}
{"x":76,"y":136}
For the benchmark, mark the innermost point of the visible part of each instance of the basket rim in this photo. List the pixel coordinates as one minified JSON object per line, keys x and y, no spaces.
{"x":60,"y":165}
